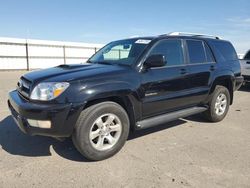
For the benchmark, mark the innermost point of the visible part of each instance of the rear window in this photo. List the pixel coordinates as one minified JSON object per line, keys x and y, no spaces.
{"x":224,"y":50}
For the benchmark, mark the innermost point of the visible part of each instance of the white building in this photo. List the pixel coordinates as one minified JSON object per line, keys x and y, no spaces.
{"x":34,"y":54}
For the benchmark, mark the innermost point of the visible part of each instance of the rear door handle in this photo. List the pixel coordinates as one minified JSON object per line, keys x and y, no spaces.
{"x":183,"y":71}
{"x":212,"y":68}
{"x":248,"y":62}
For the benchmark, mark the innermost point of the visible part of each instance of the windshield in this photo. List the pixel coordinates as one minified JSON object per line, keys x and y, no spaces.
{"x":120,"y":52}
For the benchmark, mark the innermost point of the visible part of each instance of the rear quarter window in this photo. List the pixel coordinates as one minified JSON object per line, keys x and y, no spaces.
{"x":224,"y":51}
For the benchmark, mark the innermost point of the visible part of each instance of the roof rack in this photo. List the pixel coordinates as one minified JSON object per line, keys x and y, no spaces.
{"x":192,"y":34}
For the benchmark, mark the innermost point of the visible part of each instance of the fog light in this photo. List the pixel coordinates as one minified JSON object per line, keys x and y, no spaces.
{"x":40,"y":123}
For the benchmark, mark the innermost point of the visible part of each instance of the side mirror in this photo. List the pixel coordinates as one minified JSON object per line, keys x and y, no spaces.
{"x":126,"y":46}
{"x":155,"y":61}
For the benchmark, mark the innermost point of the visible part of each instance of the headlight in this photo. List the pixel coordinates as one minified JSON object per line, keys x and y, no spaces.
{"x":48,"y":90}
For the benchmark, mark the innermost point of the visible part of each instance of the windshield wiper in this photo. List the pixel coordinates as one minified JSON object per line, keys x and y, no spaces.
{"x":104,"y":62}
{"x":99,"y":62}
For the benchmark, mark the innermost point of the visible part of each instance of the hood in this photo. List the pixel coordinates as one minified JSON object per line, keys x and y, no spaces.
{"x":69,"y":73}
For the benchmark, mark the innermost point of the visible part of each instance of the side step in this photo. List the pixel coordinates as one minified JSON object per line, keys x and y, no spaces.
{"x":157,"y":120}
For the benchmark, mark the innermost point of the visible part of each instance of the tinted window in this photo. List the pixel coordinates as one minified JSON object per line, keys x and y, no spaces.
{"x":196,"y":51}
{"x":172,"y":51}
{"x":209,"y":54}
{"x":224,"y":51}
{"x":247,"y":56}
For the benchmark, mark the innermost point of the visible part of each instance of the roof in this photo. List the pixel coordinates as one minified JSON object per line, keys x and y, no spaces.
{"x":182,"y":35}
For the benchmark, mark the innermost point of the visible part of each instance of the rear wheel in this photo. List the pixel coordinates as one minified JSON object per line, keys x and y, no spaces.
{"x":101,"y":130}
{"x":218,"y":105}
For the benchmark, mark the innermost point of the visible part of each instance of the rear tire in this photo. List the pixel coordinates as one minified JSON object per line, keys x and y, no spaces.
{"x":218,"y":105}
{"x":101,"y":130}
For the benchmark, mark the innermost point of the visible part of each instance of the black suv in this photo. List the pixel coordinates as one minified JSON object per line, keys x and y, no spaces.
{"x":128,"y":85}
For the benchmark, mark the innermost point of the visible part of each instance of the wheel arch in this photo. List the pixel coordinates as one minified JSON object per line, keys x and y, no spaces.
{"x":226,"y":81}
{"x":124,"y":101}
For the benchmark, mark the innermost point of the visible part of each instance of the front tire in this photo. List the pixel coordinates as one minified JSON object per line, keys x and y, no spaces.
{"x":218,"y":105}
{"x":101,"y":130}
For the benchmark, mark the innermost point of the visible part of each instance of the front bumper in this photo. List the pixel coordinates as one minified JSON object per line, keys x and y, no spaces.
{"x":62,"y":116}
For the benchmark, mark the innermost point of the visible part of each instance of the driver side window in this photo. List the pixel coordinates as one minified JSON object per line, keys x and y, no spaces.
{"x":171,"y":49}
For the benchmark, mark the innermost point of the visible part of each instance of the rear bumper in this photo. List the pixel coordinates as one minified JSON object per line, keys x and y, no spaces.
{"x":246,"y":78}
{"x":238,"y":82}
{"x":62,"y":116}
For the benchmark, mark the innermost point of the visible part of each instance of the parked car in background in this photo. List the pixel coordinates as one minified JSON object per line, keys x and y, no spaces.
{"x":128,"y":85}
{"x":245,"y":67}
{"x":241,"y":56}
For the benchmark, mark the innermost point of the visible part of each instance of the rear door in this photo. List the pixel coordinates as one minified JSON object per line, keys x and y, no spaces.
{"x":201,"y":67}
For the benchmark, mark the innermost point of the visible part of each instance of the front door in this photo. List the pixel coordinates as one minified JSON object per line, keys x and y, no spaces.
{"x":164,"y":88}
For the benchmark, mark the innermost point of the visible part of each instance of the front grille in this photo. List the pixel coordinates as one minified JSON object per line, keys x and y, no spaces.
{"x":24,"y":87}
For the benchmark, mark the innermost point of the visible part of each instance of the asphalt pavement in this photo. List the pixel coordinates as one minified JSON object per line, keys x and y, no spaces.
{"x":188,"y":152}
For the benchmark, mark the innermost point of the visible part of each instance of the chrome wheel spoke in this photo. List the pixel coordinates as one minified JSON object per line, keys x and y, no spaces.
{"x":217,"y":101}
{"x":217,"y":110}
{"x":222,"y":107}
{"x":111,"y":139}
{"x":100,"y":142}
{"x":99,"y":123}
{"x":224,"y":102}
{"x":109,"y":120}
{"x":220,"y":96}
{"x":115,"y":128}
{"x":94,"y":134}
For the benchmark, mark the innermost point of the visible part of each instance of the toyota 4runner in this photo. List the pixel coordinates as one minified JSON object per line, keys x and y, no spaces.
{"x":128,"y":85}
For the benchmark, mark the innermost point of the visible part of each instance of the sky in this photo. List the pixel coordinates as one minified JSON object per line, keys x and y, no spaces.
{"x":103,"y":21}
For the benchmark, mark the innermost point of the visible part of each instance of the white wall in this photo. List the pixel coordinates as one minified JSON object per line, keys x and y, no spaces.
{"x":42,"y":54}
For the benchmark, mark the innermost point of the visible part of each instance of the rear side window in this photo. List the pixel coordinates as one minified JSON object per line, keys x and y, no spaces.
{"x":196,"y":51}
{"x":224,"y":50}
{"x":247,"y":56}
